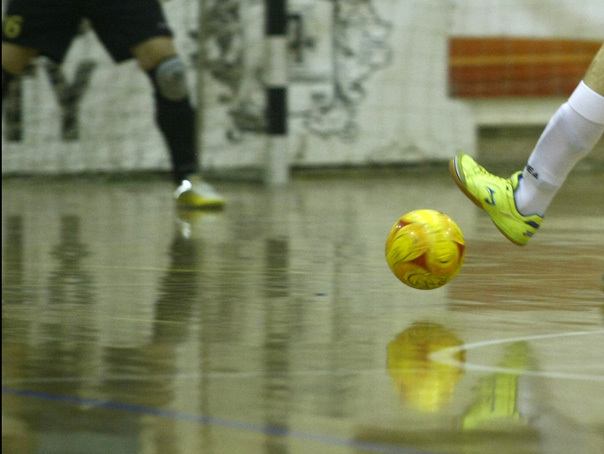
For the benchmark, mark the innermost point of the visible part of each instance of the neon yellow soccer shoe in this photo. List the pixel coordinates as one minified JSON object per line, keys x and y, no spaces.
{"x":495,"y":195}
{"x":196,"y":193}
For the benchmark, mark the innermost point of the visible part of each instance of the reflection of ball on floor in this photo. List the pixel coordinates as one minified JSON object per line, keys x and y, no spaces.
{"x":422,"y":383}
{"x":425,"y":249}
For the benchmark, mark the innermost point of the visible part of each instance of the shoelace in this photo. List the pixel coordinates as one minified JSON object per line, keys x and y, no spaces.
{"x":506,"y":181}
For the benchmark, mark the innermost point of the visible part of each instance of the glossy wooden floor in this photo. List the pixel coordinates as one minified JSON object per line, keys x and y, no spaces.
{"x":276,"y":326}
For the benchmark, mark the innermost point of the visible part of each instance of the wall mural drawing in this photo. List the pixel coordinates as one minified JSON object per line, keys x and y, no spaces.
{"x":334,"y":48}
{"x":359,"y":48}
{"x":234,"y":48}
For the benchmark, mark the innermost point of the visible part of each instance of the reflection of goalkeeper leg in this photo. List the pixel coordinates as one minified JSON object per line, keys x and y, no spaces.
{"x":497,"y":400}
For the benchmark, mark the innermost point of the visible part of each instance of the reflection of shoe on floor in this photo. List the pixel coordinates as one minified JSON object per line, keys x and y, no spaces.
{"x":495,"y":195}
{"x":496,"y":404}
{"x":196,"y":193}
{"x":187,"y":219}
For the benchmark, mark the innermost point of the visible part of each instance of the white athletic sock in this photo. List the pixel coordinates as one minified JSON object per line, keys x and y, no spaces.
{"x":571,"y":133}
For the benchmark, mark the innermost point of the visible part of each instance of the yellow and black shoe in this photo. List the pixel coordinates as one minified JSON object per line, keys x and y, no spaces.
{"x":195,"y":193}
{"x":495,"y":195}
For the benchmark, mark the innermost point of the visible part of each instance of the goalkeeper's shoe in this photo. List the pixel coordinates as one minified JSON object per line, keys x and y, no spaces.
{"x":495,"y":195}
{"x":193,"y":192}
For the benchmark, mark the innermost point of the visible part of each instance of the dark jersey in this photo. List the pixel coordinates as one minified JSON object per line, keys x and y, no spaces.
{"x":50,"y":25}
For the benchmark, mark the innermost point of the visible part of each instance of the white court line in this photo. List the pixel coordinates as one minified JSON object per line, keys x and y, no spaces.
{"x":447,"y":356}
{"x":444,"y":356}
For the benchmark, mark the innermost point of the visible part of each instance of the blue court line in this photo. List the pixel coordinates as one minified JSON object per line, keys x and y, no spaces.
{"x":218,"y":422}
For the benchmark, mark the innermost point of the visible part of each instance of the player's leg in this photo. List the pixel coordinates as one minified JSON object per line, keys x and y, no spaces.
{"x":594,"y":78}
{"x":15,"y":59}
{"x":571,"y":133}
{"x":144,"y":34}
{"x":176,"y":119}
{"x":173,"y":111}
{"x":517,"y":205}
{"x":30,"y":28}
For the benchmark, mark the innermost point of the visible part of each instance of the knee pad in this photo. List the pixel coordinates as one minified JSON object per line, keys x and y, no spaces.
{"x":170,"y":79}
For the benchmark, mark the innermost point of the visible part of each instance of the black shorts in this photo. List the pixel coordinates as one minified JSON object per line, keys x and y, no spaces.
{"x":50,"y":25}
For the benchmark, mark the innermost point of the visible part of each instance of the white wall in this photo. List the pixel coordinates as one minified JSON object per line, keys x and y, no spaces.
{"x":579,"y":19}
{"x":368,"y":85}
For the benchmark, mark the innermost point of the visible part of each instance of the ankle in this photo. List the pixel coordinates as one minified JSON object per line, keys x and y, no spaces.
{"x":533,"y":196}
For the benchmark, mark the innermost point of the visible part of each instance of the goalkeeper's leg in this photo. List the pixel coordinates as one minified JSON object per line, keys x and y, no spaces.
{"x":176,"y":119}
{"x":15,"y":59}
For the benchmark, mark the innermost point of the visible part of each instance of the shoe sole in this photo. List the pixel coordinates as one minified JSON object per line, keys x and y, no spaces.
{"x":459,"y":182}
{"x":214,"y":206}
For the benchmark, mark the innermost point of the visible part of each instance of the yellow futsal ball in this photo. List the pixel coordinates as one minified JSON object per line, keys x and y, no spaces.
{"x":425,"y":249}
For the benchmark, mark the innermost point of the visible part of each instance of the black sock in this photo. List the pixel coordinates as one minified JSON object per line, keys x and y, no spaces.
{"x":6,"y":80}
{"x":176,"y":121}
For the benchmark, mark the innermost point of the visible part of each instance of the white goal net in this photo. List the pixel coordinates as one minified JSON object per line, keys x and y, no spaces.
{"x":369,"y":84}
